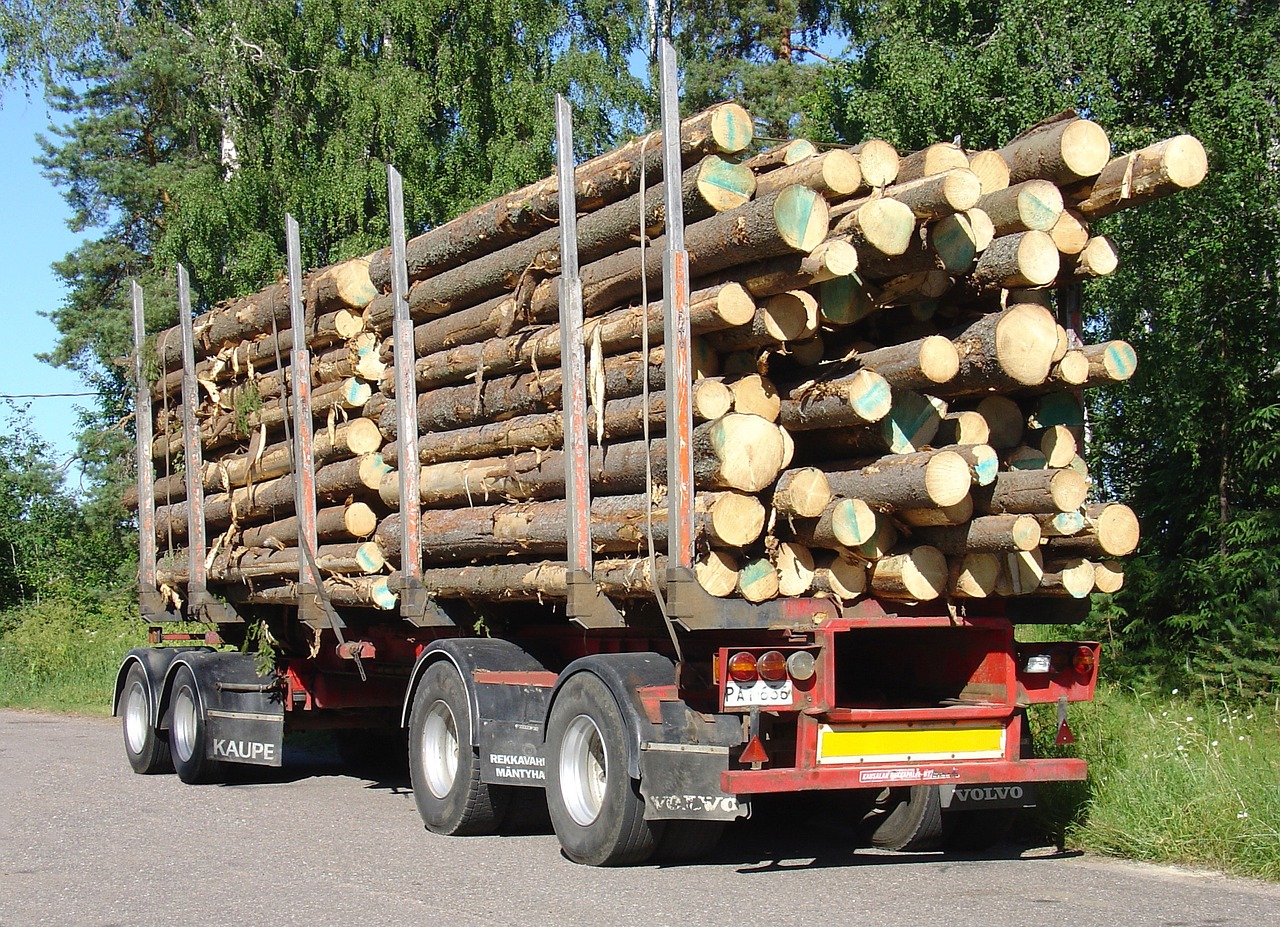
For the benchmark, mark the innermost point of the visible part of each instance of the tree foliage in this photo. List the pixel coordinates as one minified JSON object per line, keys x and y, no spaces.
{"x":1191,"y":441}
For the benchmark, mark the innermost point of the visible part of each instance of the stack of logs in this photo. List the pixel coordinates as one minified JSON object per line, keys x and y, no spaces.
{"x":886,"y":383}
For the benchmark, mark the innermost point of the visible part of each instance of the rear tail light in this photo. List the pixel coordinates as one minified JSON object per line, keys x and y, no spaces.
{"x":742,"y":667}
{"x":772,"y":666}
{"x":1084,"y":660}
{"x":801,"y":665}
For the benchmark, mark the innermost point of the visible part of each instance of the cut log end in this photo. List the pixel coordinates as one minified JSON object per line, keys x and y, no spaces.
{"x":802,"y":217}
{"x":974,"y":576}
{"x":749,"y":450}
{"x":1026,"y":338}
{"x":920,"y":575}
{"x":758,"y":580}
{"x":737,"y":519}
{"x":732,"y":128}
{"x":947,"y":478}
{"x":795,"y":568}
{"x":1085,"y":148}
{"x":804,"y":493}
{"x":717,"y":573}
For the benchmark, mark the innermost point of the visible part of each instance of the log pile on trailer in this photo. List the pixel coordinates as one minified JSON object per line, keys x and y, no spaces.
{"x":886,"y":380}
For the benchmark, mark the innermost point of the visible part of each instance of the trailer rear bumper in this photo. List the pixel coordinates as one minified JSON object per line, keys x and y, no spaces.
{"x":979,"y":772}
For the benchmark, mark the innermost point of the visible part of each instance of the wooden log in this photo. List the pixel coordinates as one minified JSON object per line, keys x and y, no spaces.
{"x":938,"y":195}
{"x":1072,"y":578}
{"x":847,"y":523}
{"x":722,"y":129}
{"x":354,"y":438}
{"x":1110,"y":530}
{"x":1070,"y":233}
{"x":840,"y":577}
{"x":984,"y":230}
{"x":1030,"y":492}
{"x":982,"y":460}
{"x":882,"y":225}
{"x":711,"y":186}
{"x":1108,"y":576}
{"x":1071,"y":371}
{"x":754,"y":395}
{"x":991,"y":170}
{"x":717,"y":573}
{"x":804,"y":492}
{"x":835,"y":174}
{"x":913,"y":289}
{"x":1005,"y":421}
{"x":963,"y":428}
{"x":1025,"y":458}
{"x":1020,"y":573}
{"x":1063,"y":149}
{"x":990,"y":534}
{"x":878,"y":161}
{"x":911,"y":423}
{"x":794,"y":565}
{"x":1098,"y":258}
{"x":711,"y":309}
{"x":935,"y":159}
{"x":782,"y":155}
{"x":791,"y":316}
{"x":372,"y":592}
{"x":882,"y":543}
{"x":249,"y":565}
{"x":833,"y":259}
{"x":846,"y":300}
{"x":1061,"y":524}
{"x":335,"y":523}
{"x":1032,"y":204}
{"x":758,"y":580}
{"x":1024,"y":259}
{"x":1003,"y":350}
{"x":947,"y":245}
{"x":922,"y":364}
{"x":1139,"y":177}
{"x":906,"y":481}
{"x":1058,"y":445}
{"x":862,"y":397}
{"x":973,"y":575}
{"x":1109,"y":362}
{"x":1060,"y":408}
{"x":917,"y":575}
{"x":345,"y":285}
{"x":273,"y":499}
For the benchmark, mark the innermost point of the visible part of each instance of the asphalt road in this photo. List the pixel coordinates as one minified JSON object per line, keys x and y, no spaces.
{"x":84,"y":841}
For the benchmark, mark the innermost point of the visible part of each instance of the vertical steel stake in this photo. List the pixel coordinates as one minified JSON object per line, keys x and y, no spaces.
{"x":577,"y":481}
{"x":676,"y":330}
{"x":194,"y":462}
{"x":413,"y":599}
{"x":148,"y":596}
{"x":304,"y":464}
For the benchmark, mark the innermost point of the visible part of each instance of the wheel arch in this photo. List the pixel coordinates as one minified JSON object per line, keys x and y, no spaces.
{"x":468,"y":655}
{"x":624,"y":675}
{"x":156,"y":663}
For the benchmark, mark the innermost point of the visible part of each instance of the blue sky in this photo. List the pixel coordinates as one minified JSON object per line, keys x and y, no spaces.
{"x":33,"y":234}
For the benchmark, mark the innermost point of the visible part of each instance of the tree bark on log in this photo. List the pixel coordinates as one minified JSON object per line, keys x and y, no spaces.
{"x":1031,"y":492}
{"x":1003,"y":350}
{"x":336,"y":523}
{"x":859,"y":398}
{"x":1139,"y":177}
{"x":1063,"y":149}
{"x":1110,"y":530}
{"x":989,"y":534}
{"x":791,"y":316}
{"x":782,"y":155}
{"x":834,"y":174}
{"x":908,"y":481}
{"x":935,"y":159}
{"x":1030,"y":205}
{"x":722,"y":129}
{"x":842,"y":523}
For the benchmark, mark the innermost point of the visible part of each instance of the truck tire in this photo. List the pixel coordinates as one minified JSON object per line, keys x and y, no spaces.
{"x":908,"y":819}
{"x":147,"y":751}
{"x":189,"y":732}
{"x":443,"y":767}
{"x":595,"y":806}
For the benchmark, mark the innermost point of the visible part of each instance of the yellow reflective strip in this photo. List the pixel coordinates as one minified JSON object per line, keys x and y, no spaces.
{"x":910,"y":742}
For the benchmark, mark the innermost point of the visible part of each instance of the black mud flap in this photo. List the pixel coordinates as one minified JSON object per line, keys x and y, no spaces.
{"x":682,"y":782}
{"x":244,"y":711}
{"x":511,"y":745}
{"x":986,"y":797}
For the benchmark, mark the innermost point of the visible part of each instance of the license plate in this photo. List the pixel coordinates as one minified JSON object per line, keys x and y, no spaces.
{"x":737,"y":695}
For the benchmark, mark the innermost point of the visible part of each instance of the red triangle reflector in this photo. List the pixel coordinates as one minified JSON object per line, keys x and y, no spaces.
{"x":1064,"y":735}
{"x":754,"y":753}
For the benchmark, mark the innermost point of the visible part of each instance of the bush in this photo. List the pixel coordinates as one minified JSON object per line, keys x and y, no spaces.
{"x":63,"y":654}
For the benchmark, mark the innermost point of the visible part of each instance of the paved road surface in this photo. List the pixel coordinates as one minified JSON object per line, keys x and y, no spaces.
{"x":84,"y":841}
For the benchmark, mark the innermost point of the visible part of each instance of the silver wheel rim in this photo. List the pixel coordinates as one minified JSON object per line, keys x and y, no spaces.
{"x":584,"y":770}
{"x":440,"y":749}
{"x":136,"y":723}
{"x":184,"y":725}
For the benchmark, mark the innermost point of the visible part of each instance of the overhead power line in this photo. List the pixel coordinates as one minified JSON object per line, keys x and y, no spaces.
{"x":43,"y":395}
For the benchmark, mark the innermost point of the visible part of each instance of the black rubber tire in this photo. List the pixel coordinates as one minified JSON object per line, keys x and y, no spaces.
{"x":189,"y":733}
{"x":909,"y":820}
{"x":457,"y":802}
{"x":687,"y":840}
{"x":594,"y":761}
{"x":147,"y":750}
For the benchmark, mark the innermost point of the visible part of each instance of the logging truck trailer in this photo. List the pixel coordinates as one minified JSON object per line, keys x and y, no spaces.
{"x":647,"y":712}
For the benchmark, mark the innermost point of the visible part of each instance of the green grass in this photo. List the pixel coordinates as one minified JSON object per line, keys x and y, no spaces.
{"x":63,"y":656}
{"x":1173,"y":777}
